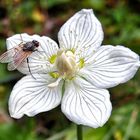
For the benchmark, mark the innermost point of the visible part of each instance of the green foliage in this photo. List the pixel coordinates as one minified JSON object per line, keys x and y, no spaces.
{"x":14,"y":131}
{"x":51,"y":3}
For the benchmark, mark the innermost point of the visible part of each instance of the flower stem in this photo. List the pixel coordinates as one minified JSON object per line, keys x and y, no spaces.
{"x":79,"y":132}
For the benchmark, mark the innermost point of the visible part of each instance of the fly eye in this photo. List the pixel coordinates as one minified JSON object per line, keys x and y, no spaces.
{"x":36,"y":43}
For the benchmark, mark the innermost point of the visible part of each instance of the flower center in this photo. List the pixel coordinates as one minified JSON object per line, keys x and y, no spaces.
{"x":66,"y":64}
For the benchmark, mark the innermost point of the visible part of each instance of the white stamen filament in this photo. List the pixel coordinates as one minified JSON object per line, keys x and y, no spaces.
{"x":55,"y":84}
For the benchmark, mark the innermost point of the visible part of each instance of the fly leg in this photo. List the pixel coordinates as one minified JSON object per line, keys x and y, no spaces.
{"x":29,"y":68}
{"x":39,"y":51}
{"x":21,"y":40}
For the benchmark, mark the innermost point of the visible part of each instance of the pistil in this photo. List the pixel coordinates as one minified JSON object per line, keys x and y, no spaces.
{"x":66,"y":64}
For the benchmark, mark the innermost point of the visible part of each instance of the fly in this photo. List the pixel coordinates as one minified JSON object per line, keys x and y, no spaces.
{"x":15,"y":56}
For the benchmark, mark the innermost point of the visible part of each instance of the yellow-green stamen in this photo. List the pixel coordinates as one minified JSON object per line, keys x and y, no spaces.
{"x":54,"y":74}
{"x":81,"y":63}
{"x":52,"y":59}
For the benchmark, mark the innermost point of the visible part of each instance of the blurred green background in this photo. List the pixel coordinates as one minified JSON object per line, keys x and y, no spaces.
{"x":121,"y":23}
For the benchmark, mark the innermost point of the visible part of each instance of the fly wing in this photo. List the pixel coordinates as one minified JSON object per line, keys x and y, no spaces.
{"x":18,"y":59}
{"x":8,"y":56}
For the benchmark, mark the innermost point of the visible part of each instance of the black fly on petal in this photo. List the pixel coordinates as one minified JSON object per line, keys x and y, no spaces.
{"x":15,"y":56}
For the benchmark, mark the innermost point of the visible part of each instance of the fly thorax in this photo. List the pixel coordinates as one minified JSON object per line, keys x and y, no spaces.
{"x":66,"y":64}
{"x":29,"y":46}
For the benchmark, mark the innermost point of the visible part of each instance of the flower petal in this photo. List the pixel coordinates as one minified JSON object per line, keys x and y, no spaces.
{"x":110,"y":66}
{"x":38,"y":60}
{"x":81,"y":32}
{"x":31,"y":96}
{"x":85,"y":104}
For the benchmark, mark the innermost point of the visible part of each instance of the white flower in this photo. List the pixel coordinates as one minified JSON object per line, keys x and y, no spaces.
{"x":75,"y":75}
